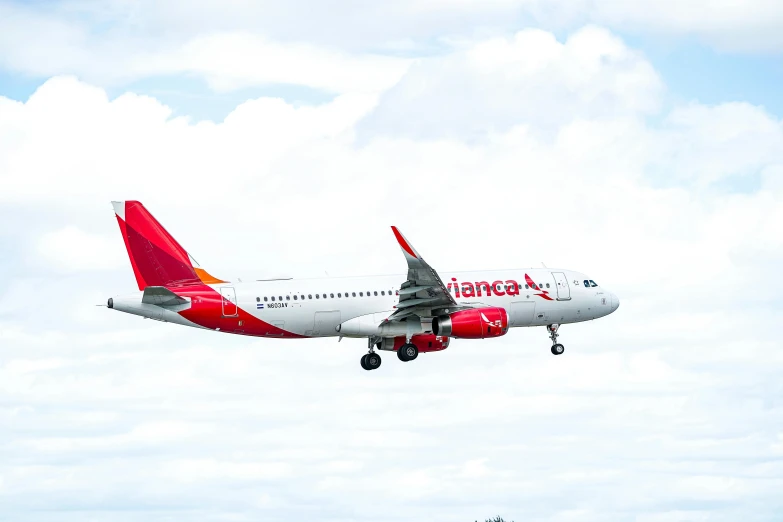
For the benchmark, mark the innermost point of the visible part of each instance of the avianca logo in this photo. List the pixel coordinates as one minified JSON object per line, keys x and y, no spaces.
{"x":544,"y":294}
{"x":467,"y":289}
{"x":497,"y":323}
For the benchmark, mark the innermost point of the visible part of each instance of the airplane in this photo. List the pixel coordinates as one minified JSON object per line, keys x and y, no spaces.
{"x":408,"y":314}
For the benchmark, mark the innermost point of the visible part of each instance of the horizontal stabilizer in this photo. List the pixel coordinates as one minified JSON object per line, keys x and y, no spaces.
{"x":161,"y":296}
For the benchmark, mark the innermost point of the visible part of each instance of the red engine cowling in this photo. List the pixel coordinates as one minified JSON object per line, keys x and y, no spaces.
{"x":477,"y":323}
{"x":425,"y":343}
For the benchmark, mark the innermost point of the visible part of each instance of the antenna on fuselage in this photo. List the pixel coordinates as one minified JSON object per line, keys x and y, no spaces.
{"x":542,"y":264}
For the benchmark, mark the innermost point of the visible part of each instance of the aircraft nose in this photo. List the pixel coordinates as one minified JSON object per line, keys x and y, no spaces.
{"x":615,"y":302}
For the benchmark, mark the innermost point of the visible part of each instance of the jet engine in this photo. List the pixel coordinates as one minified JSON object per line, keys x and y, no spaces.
{"x":425,"y":343}
{"x":477,"y":323}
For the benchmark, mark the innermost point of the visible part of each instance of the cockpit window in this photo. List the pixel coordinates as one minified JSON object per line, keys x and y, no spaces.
{"x":587,"y":283}
{"x":592,"y":283}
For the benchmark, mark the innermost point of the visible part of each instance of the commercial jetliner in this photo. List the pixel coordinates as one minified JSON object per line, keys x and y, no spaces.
{"x":409,"y":314}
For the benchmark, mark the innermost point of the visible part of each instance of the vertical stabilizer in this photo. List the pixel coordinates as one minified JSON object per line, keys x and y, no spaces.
{"x":156,"y":257}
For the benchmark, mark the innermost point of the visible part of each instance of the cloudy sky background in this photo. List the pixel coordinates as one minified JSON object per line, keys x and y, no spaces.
{"x":641,"y":143}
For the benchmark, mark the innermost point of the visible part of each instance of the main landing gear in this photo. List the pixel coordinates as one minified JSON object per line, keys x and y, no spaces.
{"x":407,"y":352}
{"x":557,"y":348}
{"x":371,"y":361}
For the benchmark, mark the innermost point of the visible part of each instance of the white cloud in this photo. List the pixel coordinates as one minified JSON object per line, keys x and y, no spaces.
{"x":72,"y":249}
{"x":226,"y":60}
{"x":712,"y":143}
{"x":216,"y":471}
{"x":119,"y":40}
{"x":674,"y":397}
{"x":530,"y":78}
{"x":233,"y":61}
{"x":745,"y":26}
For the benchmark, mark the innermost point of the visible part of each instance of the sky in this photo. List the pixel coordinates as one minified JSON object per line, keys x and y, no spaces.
{"x":640,"y":143}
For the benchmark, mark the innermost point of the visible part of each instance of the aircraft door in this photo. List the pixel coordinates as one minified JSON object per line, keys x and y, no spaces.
{"x":229,"y":301}
{"x":561,"y":284}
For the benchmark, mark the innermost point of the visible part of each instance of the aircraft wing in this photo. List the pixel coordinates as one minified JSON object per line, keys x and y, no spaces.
{"x":423,"y":294}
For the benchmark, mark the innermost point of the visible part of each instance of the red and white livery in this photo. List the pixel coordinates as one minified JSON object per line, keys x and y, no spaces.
{"x":409,"y":314}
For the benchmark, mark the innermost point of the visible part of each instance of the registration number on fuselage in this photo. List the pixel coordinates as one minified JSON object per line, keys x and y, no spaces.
{"x":277,"y":305}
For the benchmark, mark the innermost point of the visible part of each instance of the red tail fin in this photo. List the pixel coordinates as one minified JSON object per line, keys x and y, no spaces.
{"x":156,"y":257}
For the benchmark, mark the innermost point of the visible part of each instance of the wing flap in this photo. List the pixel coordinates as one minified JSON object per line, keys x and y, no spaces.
{"x":414,"y":289}
{"x":417,"y":302}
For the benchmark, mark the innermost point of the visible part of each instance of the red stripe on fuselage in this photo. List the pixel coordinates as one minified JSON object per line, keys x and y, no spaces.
{"x":206,"y":310}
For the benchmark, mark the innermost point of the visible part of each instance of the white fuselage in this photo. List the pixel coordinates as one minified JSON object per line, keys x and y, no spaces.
{"x":316,"y":307}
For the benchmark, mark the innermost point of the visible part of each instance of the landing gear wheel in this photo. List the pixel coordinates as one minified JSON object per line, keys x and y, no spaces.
{"x":407,"y":352}
{"x":363,"y":361}
{"x":372,"y":361}
{"x":557,"y":348}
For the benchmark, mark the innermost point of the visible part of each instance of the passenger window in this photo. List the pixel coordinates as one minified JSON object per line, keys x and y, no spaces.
{"x":354,"y":294}
{"x":593,"y":283}
{"x":324,"y":296}
{"x":317,"y":296}
{"x":273,"y":298}
{"x":547,"y":285}
{"x":587,"y":283}
{"x":361,"y":294}
{"x":288,"y":298}
{"x":527,"y":287}
{"x":331,"y":295}
{"x":376,"y":293}
{"x":339,"y":294}
{"x":295,"y":298}
{"x":309,"y":296}
{"x":280,"y":298}
{"x":265,"y":299}
{"x":383,"y":292}
{"x":258,"y":299}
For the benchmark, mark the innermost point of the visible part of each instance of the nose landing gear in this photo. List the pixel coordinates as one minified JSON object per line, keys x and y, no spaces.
{"x":557,"y":348}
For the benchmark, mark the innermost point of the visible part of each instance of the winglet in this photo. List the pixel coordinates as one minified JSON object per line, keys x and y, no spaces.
{"x":405,"y":244}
